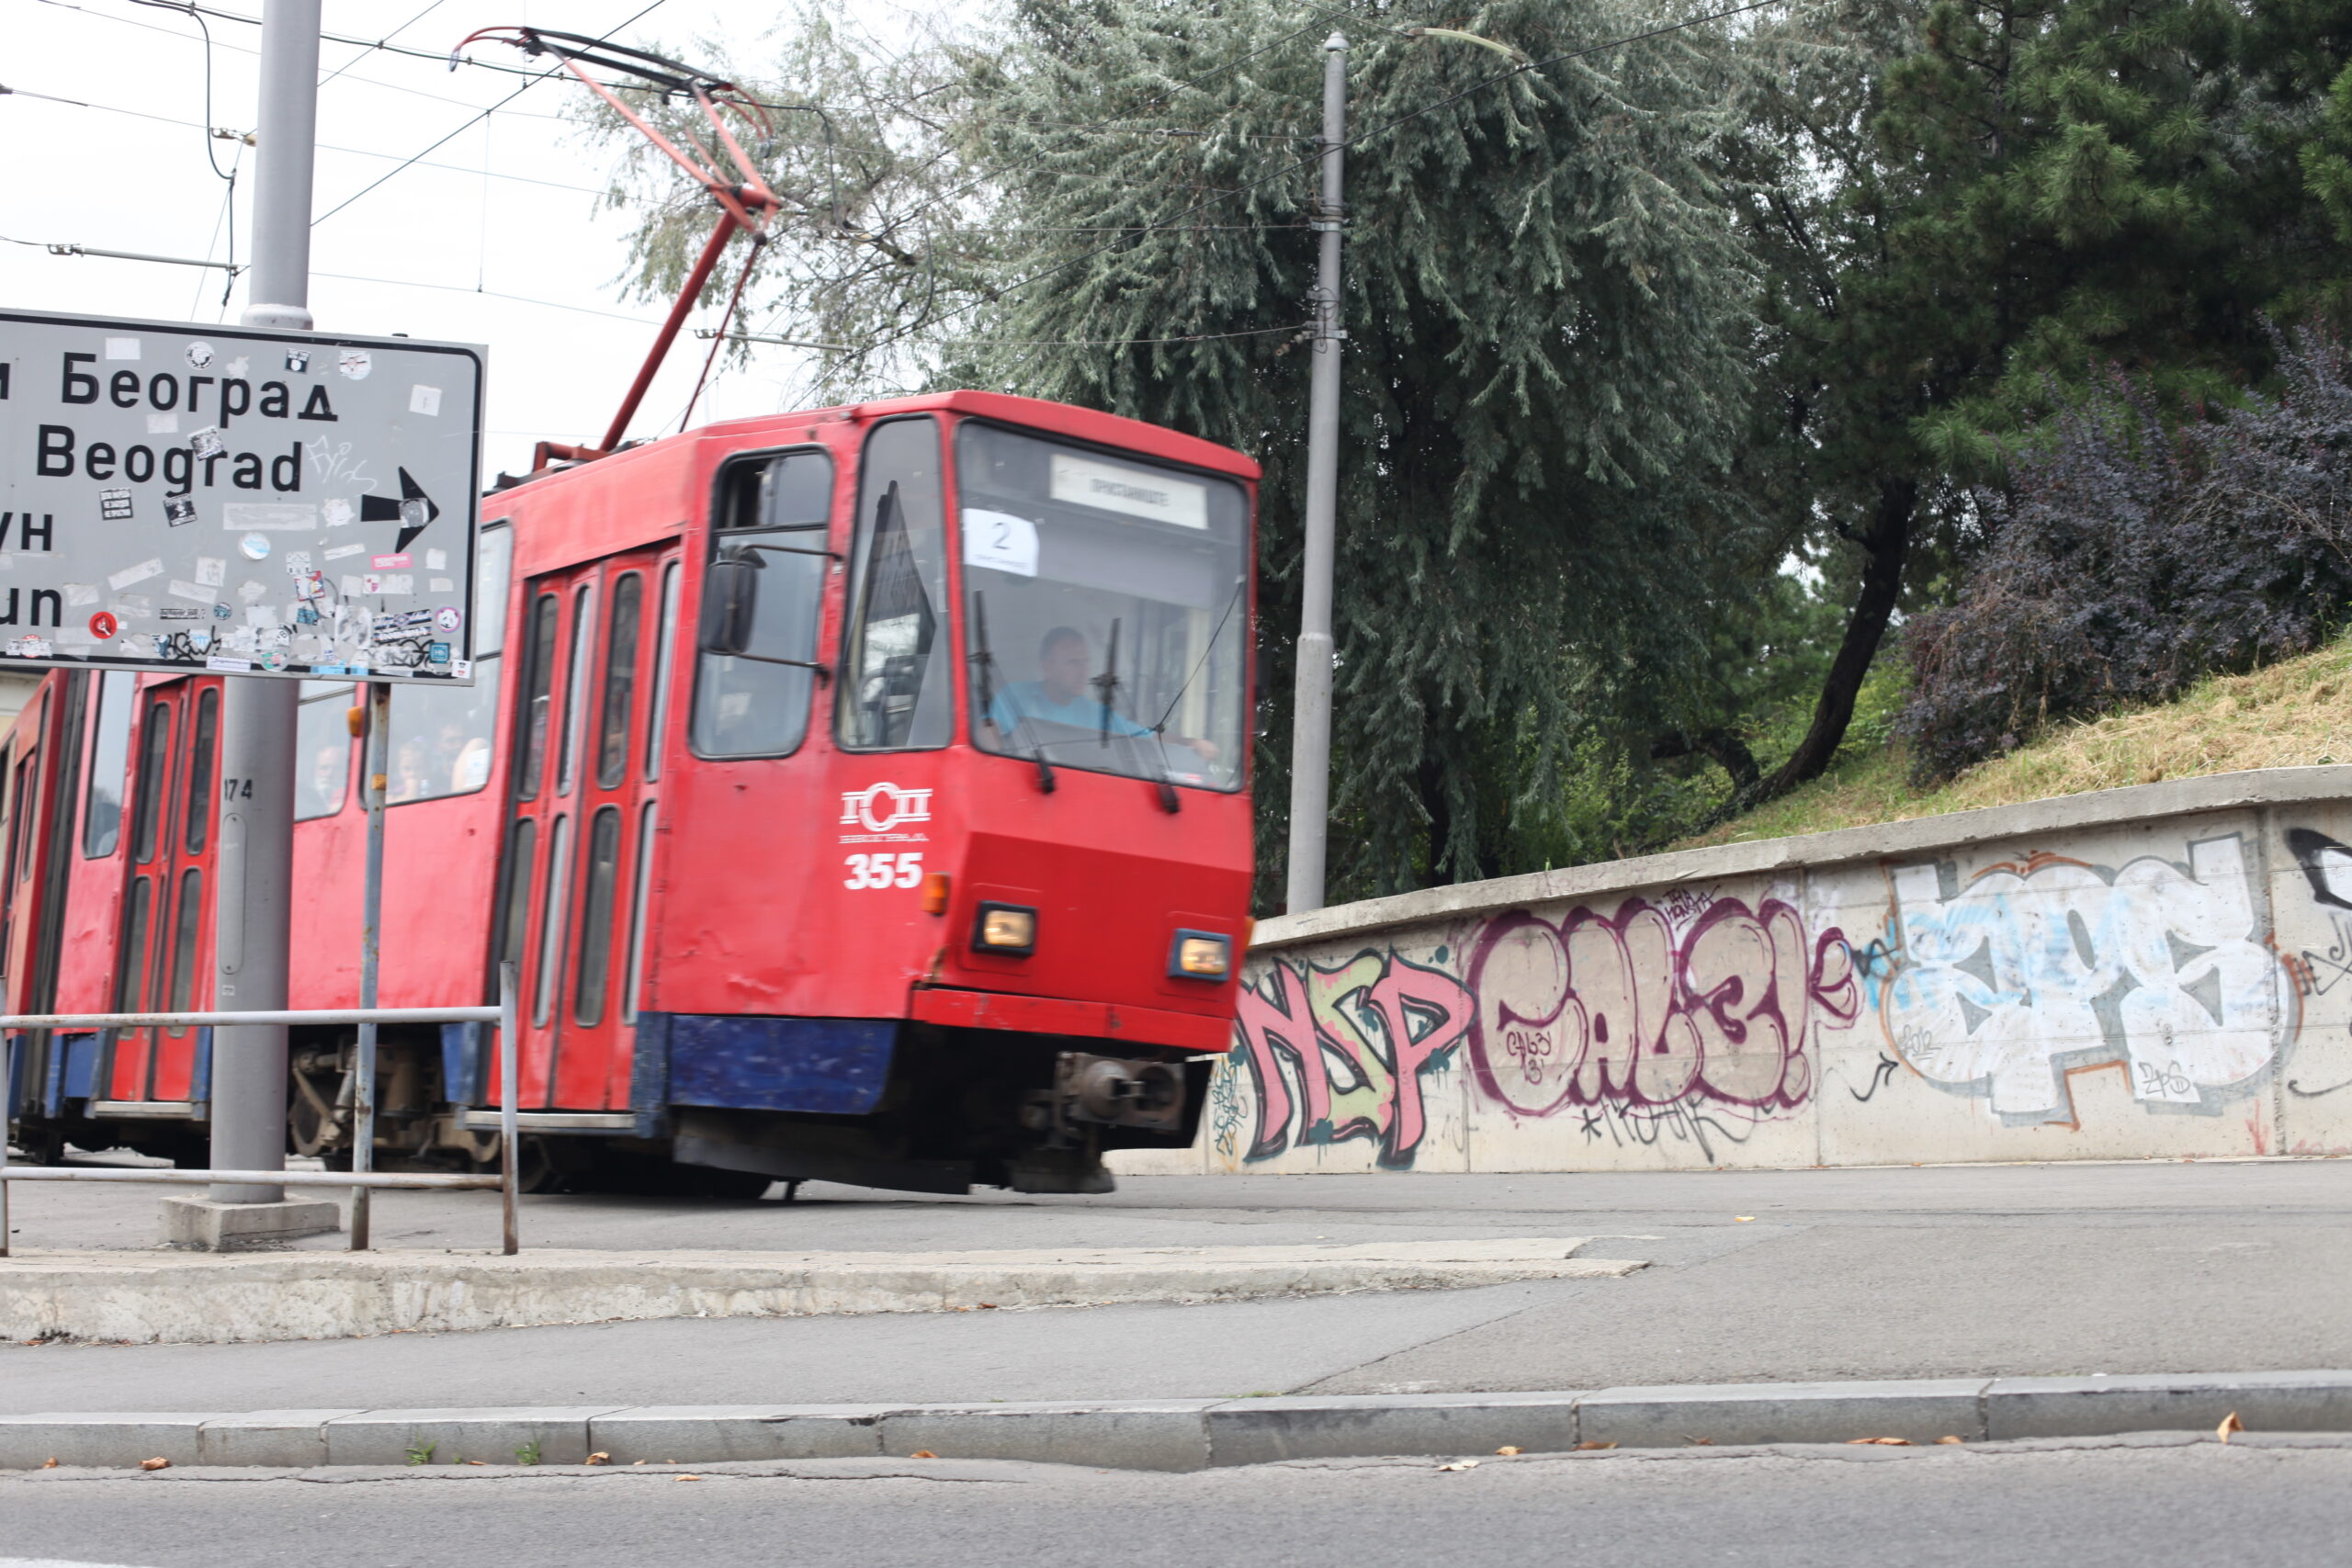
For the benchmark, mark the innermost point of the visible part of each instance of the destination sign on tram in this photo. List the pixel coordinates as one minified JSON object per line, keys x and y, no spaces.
{"x":177,"y":497}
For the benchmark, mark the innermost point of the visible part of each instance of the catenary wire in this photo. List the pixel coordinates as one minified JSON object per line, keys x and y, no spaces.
{"x":322,"y":146}
{"x":485,"y":114}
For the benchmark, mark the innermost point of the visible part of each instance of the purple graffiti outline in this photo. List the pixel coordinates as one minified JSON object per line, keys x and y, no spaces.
{"x":1829,"y":982}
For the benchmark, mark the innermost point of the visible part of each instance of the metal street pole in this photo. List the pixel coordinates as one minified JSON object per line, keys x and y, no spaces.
{"x":254,"y":884}
{"x":1310,"y":747}
{"x":376,"y":727}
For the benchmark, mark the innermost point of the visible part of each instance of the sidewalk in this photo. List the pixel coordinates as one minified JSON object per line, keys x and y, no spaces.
{"x":1785,"y":1277}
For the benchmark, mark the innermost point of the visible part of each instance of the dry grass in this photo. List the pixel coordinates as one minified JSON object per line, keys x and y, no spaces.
{"x":2292,"y":714}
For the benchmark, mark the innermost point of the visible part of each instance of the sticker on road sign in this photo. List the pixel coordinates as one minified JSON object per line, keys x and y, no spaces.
{"x":114,"y":505}
{"x":103,"y":625}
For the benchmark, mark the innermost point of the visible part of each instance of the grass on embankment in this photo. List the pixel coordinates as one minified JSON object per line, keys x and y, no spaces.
{"x":2290,"y":714}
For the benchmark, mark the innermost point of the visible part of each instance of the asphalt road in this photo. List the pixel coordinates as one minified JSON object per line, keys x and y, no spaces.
{"x":1756,"y":1276}
{"x":2082,"y":1505}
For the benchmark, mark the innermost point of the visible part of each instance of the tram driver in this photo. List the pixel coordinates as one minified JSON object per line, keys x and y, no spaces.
{"x":1061,"y":696}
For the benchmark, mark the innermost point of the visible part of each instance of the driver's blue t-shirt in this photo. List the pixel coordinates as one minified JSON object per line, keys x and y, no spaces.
{"x":1028,"y":699}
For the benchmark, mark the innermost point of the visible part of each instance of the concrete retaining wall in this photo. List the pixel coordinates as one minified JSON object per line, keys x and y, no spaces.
{"x":2153,"y":971}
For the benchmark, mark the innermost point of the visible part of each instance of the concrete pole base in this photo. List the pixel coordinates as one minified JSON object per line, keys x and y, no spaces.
{"x":204,"y":1224}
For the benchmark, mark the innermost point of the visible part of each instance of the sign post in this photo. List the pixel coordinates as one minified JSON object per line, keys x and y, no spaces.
{"x":246,"y":502}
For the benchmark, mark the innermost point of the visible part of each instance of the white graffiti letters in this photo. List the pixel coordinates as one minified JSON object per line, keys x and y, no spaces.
{"x":2051,"y":964}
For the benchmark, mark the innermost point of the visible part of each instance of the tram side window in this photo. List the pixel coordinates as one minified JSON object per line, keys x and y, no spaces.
{"x":439,"y":743}
{"x":110,"y":764}
{"x":894,"y":686}
{"x":775,"y":514}
{"x":322,"y":748}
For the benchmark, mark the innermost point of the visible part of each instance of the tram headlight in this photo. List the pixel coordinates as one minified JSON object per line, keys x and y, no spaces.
{"x":1007,"y":929}
{"x":1201,"y":955}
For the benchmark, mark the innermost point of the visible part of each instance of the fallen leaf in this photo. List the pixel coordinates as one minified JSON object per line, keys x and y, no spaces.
{"x":685,"y":1478}
{"x":1883,"y":1442}
{"x":987,"y":1306}
{"x":1593,"y":1447}
{"x":1743,"y":1219}
{"x":1947,"y":1440}
{"x":640,"y":1461}
{"x":2230,"y":1422}
{"x":601,"y":1458}
{"x":51,"y":1464}
{"x":166,"y":1464}
{"x":1507,"y":1449}
{"x":480,"y":1461}
{"x":1698,"y":1442}
{"x":1461,"y":1464}
{"x":923,"y":1453}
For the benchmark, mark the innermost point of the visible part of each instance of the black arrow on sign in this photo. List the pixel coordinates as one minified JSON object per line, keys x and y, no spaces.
{"x":413,"y":511}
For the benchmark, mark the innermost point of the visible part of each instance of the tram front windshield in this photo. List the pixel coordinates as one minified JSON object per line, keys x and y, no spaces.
{"x":1107,"y":608}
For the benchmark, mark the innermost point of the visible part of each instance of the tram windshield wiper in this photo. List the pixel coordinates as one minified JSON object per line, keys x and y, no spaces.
{"x":984,"y":667}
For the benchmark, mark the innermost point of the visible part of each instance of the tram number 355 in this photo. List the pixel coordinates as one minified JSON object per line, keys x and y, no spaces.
{"x":883,"y":871}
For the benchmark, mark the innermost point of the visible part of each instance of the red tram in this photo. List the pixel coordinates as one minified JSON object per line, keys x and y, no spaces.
{"x":862,"y":795}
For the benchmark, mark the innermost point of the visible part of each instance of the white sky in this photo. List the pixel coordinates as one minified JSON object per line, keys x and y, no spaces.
{"x":448,"y":251}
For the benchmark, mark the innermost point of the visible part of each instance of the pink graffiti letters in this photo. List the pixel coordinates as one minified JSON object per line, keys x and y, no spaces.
{"x":1612,"y":1010}
{"x":1380,"y":1019}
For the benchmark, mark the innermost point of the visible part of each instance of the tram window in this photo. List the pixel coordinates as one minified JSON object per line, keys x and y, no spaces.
{"x":575,"y":678}
{"x":131,"y":968}
{"x":199,"y":768}
{"x":191,"y":917}
{"x":777,"y":513}
{"x":639,"y":883}
{"x":154,"y":781}
{"x":440,"y":737}
{"x":664,"y":659}
{"x":621,"y":682}
{"x":894,"y":677}
{"x":109,"y":763}
{"x":440,"y":740}
{"x":538,"y":682}
{"x":20,"y":849}
{"x":322,"y":749}
{"x":514,"y":919}
{"x":596,"y":917}
{"x":493,"y":575}
{"x":543,"y":984}
{"x":1080,"y":565}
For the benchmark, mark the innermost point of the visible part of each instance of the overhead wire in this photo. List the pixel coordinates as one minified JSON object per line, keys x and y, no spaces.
{"x":535,"y":81}
{"x":239,"y":49}
{"x":384,"y":43}
{"x":322,"y":146}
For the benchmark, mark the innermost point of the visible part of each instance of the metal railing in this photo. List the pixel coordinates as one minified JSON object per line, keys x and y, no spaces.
{"x":361,"y":1178}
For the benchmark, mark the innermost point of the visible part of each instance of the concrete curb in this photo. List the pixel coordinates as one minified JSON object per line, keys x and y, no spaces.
{"x":145,"y":1298}
{"x":1199,"y":1434}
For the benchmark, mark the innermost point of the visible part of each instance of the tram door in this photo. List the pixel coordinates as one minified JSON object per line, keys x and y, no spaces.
{"x":586,"y":778}
{"x":25,"y":803}
{"x":163,"y":960}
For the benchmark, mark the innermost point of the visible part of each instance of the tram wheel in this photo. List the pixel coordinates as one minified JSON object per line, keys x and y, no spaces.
{"x":534,"y":1172}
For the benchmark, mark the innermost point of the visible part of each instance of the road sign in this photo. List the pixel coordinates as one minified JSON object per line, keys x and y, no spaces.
{"x":177,"y":497}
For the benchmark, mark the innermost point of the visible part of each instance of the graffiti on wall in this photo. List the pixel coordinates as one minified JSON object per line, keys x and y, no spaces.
{"x":1341,"y":1052}
{"x":1616,"y":1016}
{"x":2038,"y":967}
{"x":2326,"y":865}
